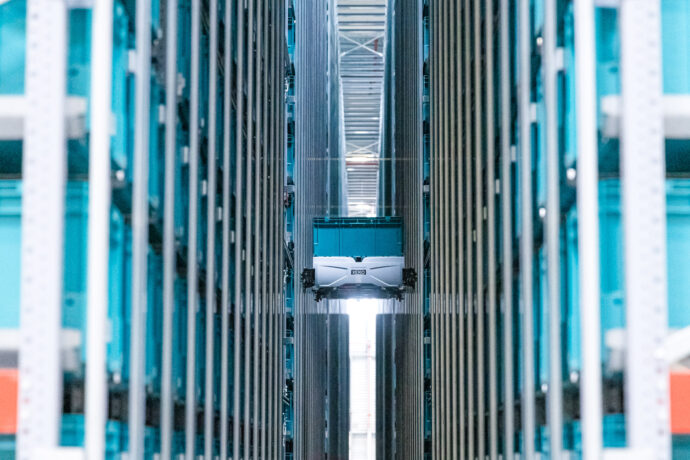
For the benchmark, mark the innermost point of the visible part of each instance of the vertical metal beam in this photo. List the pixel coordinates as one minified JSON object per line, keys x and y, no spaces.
{"x":299,"y":206}
{"x":140,"y":231}
{"x":281,"y":152}
{"x":239,"y":226}
{"x":282,"y":136}
{"x":169,"y":257}
{"x":552,"y":227}
{"x":435,"y":365}
{"x":432,"y":137}
{"x":248,"y":259}
{"x":268,"y":435}
{"x":443,"y":227}
{"x":436,"y":236}
{"x":225,"y":260}
{"x":448,"y":229}
{"x":454,"y":260}
{"x":526,"y":232}
{"x":268,"y":212}
{"x":469,"y":265}
{"x":258,"y":205}
{"x":506,"y":233}
{"x":588,"y":228}
{"x":44,"y":167}
{"x":644,"y":229}
{"x":479,"y":227}
{"x":278,"y":149}
{"x":491,"y":109}
{"x":418,"y":209}
{"x":211,"y":155}
{"x":192,"y":269}
{"x":459,"y":186}
{"x":99,"y":229}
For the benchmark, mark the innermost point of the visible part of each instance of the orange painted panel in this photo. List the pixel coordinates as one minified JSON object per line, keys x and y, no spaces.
{"x":680,"y":402}
{"x":8,"y":400}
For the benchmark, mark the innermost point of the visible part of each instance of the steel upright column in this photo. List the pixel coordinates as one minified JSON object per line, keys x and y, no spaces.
{"x":258,"y":208}
{"x":225,"y":260}
{"x":526,"y":243}
{"x":443,"y":227}
{"x":96,"y":410}
{"x":644,"y":228}
{"x":435,"y":366}
{"x":209,"y":409}
{"x":454,"y":260}
{"x":553,"y":218}
{"x":169,"y":256}
{"x":268,"y":439}
{"x":249,"y":203}
{"x":279,"y":249}
{"x":140,"y":231}
{"x":239,"y":227}
{"x":44,"y":169}
{"x":192,"y":269}
{"x":280,"y":151}
{"x":506,"y":233}
{"x":491,"y":192}
{"x":479,"y":227}
{"x":588,"y":228}
{"x":469,"y":231}
{"x":267,"y":265}
{"x":458,"y":186}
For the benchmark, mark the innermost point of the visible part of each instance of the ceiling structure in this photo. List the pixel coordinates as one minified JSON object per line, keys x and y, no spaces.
{"x":361,"y":34}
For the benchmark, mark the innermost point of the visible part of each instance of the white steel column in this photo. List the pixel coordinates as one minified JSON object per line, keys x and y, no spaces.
{"x":644,"y":229}
{"x":469,"y":247}
{"x":491,"y":193}
{"x":239,"y":201}
{"x":478,"y":237}
{"x":506,"y":235}
{"x":99,"y":229}
{"x":209,"y":402}
{"x":140,"y":231}
{"x":43,"y":223}
{"x":588,"y":229}
{"x":192,"y":243}
{"x":169,"y":256}
{"x":552,"y":231}
{"x":225,"y":260}
{"x":526,"y":227}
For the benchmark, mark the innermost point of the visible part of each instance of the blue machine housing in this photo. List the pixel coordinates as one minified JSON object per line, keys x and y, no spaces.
{"x":358,"y":237}
{"x":358,"y":257}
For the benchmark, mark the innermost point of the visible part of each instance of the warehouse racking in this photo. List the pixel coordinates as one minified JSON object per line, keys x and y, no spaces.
{"x":164,"y":165}
{"x":554,"y":123}
{"x":142,"y":179}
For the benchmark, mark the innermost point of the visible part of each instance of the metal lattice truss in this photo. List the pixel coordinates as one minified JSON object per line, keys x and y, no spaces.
{"x":361,"y":33}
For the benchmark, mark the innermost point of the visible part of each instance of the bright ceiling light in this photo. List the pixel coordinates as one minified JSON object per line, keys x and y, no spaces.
{"x":361,"y":158}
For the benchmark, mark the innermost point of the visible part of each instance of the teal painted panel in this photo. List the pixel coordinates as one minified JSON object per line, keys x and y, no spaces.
{"x":675,"y":31}
{"x":678,"y":259}
{"x":12,"y":48}
{"x":675,"y":39}
{"x":681,"y":446}
{"x":75,"y":253}
{"x":10,"y":247}
{"x":75,"y":269}
{"x":678,"y":248}
{"x":358,"y":237}
{"x":7,"y":447}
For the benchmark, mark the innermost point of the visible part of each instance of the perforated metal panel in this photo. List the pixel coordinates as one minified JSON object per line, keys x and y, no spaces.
{"x":43,"y":226}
